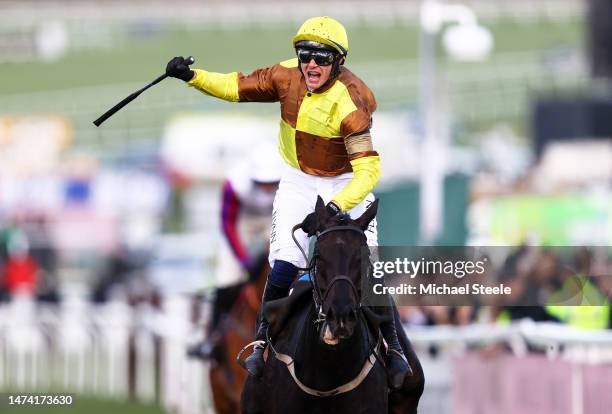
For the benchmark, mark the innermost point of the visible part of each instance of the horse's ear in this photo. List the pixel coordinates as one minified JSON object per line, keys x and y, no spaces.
{"x":364,"y":220}
{"x":320,"y":211}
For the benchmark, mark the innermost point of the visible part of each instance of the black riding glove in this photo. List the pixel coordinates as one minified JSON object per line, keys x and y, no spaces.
{"x":310,"y":225}
{"x":178,"y":68}
{"x":333,"y":209}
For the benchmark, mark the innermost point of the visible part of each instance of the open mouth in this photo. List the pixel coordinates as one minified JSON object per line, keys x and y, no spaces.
{"x":313,"y":77}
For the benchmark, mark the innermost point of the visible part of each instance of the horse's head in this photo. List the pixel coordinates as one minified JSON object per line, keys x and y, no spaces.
{"x":339,"y":254}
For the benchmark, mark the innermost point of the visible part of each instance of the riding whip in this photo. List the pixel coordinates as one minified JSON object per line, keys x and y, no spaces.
{"x":190,"y":60}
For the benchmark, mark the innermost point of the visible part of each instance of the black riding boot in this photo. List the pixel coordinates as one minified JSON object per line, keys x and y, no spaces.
{"x":397,"y":365}
{"x":255,"y":362}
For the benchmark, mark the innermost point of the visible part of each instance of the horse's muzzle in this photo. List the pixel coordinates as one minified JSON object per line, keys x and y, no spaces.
{"x":328,"y":337}
{"x":339,"y":327}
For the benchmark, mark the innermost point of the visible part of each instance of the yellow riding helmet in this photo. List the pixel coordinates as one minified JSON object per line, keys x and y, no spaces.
{"x":324,"y":30}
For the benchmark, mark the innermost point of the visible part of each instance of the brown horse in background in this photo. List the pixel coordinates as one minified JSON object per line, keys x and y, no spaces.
{"x":226,"y":376}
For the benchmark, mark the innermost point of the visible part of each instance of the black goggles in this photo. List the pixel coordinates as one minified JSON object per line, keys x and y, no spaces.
{"x":321,"y":57}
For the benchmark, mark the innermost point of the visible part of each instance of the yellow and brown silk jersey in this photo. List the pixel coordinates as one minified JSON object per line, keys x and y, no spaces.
{"x":323,"y":133}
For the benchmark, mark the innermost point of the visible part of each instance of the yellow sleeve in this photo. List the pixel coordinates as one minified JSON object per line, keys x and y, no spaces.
{"x":366,"y":172}
{"x":219,"y":85}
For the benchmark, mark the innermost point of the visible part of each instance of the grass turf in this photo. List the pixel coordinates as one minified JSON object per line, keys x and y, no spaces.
{"x":85,"y":405}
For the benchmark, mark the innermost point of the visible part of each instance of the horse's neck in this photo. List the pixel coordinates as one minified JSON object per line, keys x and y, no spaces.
{"x":329,"y":367}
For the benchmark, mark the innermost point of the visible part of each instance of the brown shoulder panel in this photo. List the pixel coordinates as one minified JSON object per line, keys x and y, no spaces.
{"x":292,"y":90}
{"x":361,"y":95}
{"x":262,"y":85}
{"x":363,"y":98}
{"x":275,"y":83}
{"x":257,"y":86}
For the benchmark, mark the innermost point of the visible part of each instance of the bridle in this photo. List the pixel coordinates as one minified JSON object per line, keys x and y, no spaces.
{"x":318,"y":296}
{"x":288,"y":360}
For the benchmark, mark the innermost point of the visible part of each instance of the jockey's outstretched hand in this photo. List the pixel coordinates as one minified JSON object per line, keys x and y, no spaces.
{"x":178,"y":67}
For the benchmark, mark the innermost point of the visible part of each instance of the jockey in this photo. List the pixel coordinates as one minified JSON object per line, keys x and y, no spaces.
{"x":246,"y":209}
{"x":325,"y":141}
{"x":247,"y":195}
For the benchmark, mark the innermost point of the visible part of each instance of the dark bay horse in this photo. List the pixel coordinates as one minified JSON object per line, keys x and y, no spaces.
{"x":324,"y":348}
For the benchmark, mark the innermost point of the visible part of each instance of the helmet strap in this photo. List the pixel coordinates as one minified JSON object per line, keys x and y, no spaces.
{"x":335,"y":71}
{"x":336,"y":67}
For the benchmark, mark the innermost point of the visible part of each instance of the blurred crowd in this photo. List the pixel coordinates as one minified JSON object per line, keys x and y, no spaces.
{"x":28,"y":260}
{"x":31,"y":265}
{"x":570,"y":285}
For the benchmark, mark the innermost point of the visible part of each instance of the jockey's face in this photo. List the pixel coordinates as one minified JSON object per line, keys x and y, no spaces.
{"x":315,"y":75}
